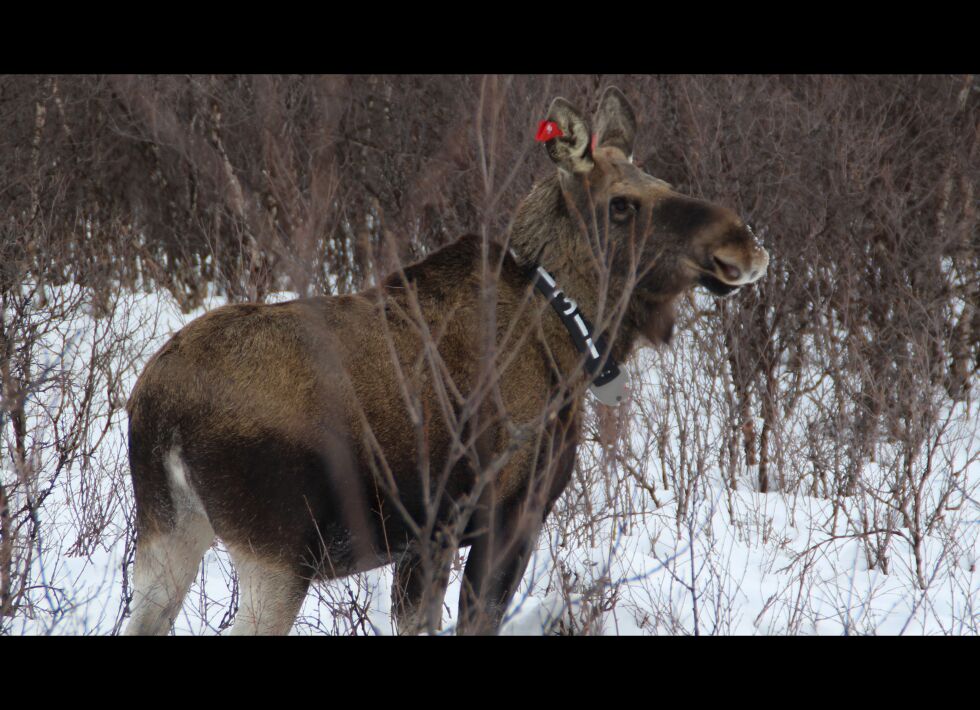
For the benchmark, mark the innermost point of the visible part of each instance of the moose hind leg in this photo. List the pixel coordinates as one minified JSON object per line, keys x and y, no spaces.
{"x":419,"y":589}
{"x":166,"y":563}
{"x":271,"y":595}
{"x":173,"y":531}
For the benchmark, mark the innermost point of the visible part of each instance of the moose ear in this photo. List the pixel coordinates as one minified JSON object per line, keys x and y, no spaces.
{"x":570,"y":150}
{"x":615,"y":122}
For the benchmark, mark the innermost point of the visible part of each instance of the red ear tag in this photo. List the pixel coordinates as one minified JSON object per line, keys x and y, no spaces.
{"x":595,"y":140}
{"x":548,"y":130}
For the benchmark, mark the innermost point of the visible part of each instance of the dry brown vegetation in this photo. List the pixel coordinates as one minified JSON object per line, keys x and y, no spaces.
{"x":843,"y":375}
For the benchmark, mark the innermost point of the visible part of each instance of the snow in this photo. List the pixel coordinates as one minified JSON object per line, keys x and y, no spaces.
{"x":717,"y":562}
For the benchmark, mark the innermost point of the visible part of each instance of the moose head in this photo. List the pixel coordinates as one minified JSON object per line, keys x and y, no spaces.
{"x":619,"y":239}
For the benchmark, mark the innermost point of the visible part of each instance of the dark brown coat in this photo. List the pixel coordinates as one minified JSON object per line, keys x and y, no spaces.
{"x":329,"y":435}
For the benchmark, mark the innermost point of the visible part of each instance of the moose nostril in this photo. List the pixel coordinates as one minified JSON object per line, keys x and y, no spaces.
{"x":729,"y":271}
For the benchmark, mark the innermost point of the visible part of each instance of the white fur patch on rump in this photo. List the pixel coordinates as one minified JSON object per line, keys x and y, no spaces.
{"x":181,"y":490}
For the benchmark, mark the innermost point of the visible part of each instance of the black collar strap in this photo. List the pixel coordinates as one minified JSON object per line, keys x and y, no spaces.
{"x":609,"y":383}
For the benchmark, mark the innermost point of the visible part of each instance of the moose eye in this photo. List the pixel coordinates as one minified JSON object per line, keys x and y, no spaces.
{"x":621,"y":208}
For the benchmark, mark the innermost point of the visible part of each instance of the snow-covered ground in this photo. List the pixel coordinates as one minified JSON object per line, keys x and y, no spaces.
{"x":711,"y":561}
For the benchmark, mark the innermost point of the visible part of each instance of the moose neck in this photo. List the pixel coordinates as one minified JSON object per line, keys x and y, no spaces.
{"x":547,"y":233}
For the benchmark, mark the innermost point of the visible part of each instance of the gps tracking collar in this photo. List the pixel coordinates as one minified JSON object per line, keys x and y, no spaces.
{"x":609,"y":382}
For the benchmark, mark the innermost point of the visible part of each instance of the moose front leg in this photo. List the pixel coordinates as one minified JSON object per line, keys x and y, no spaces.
{"x":494,"y":568}
{"x":505,"y":532}
{"x":421,"y":578}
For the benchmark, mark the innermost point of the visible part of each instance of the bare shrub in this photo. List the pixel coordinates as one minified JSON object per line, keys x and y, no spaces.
{"x":847,"y":375}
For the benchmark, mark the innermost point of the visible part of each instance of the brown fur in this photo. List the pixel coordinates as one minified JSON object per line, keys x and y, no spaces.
{"x":321,"y":434}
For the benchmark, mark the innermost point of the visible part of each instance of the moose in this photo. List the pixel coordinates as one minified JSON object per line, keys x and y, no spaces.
{"x":437,"y":410}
